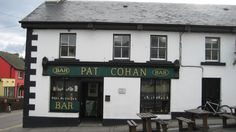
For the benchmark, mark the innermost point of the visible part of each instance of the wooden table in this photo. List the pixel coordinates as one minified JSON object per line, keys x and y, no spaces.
{"x":146,"y":118}
{"x":203,"y":114}
{"x":234,"y":108}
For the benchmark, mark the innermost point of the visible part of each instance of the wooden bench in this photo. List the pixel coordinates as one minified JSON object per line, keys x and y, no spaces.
{"x":132,"y":125}
{"x":161,"y":124}
{"x":225,"y":117}
{"x":188,"y":121}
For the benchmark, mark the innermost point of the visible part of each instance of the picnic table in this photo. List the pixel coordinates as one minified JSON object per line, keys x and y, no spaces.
{"x":146,"y":118}
{"x":201,"y":113}
{"x":234,"y":108}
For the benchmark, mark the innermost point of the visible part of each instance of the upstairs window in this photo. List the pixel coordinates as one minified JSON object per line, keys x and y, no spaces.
{"x":67,"y":45}
{"x":121,"y":46}
{"x":20,"y":75}
{"x":212,"y":49}
{"x":158,"y":47}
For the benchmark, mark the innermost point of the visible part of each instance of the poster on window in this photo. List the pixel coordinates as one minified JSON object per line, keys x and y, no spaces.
{"x":64,"y":95}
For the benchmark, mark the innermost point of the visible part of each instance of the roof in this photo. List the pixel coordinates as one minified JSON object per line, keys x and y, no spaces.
{"x":134,"y":12}
{"x":13,"y":59}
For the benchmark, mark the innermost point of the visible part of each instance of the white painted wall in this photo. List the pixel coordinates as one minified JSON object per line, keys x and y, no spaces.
{"x":97,"y":46}
{"x":121,"y":106}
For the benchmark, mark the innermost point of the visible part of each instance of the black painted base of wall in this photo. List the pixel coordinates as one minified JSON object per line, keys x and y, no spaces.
{"x":30,"y":122}
{"x":178,"y":114}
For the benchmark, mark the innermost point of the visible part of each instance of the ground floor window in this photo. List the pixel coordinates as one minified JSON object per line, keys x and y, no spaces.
{"x":20,"y":92}
{"x":64,"y":94}
{"x":9,"y":91}
{"x":155,"y":96}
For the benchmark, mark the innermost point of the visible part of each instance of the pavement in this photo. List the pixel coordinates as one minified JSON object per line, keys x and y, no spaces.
{"x":12,"y":122}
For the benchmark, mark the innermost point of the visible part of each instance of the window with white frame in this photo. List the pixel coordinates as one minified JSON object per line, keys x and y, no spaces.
{"x":212,"y":48}
{"x":158,"y":47}
{"x":121,"y":46}
{"x":67,"y":45}
{"x":20,"y":75}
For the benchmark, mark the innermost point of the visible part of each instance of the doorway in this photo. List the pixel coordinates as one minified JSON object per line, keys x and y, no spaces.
{"x":211,"y":90}
{"x":91,"y":96}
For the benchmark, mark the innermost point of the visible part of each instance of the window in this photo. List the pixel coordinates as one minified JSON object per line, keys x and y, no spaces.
{"x":9,"y":91}
{"x":155,"y":96}
{"x":158,"y":47}
{"x":67,"y":45}
{"x":64,"y":95}
{"x":20,"y":75}
{"x":121,"y":46}
{"x":212,"y":49}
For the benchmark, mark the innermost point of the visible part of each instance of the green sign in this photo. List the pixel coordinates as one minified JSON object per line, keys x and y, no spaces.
{"x":87,"y":71}
{"x":64,"y":106}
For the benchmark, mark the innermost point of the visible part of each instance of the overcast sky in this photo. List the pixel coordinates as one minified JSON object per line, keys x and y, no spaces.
{"x":12,"y":36}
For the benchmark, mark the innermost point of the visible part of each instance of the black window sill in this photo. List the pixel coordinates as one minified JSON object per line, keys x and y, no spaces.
{"x":121,"y":61}
{"x":213,"y":63}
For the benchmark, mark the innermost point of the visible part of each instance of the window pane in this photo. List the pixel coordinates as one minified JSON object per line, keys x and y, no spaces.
{"x":214,"y":55}
{"x":208,"y":46}
{"x":208,"y":55}
{"x":154,"y":53}
{"x":117,"y":52}
{"x":126,"y":40}
{"x":162,"y":41}
{"x":208,"y":40}
{"x":215,"y":45}
{"x":147,"y":96}
{"x":64,"y":39}
{"x":125,"y":52}
{"x":64,"y":50}
{"x":117,"y":43}
{"x":154,"y":41}
{"x":117,"y":38}
{"x":72,"y":39}
{"x":72,"y":51}
{"x":162,"y":94}
{"x":162,"y":53}
{"x":71,"y":90}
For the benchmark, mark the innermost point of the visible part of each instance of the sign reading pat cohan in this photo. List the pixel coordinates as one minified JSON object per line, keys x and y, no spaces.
{"x":90,"y":71}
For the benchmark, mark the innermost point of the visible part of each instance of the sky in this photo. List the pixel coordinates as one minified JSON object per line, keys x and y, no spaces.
{"x":13,"y":37}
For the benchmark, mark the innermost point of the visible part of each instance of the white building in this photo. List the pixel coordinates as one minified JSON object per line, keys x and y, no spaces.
{"x":108,"y":61}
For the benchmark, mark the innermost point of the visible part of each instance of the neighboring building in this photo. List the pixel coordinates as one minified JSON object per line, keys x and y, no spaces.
{"x":7,"y":87}
{"x":12,"y":75}
{"x":108,"y":61}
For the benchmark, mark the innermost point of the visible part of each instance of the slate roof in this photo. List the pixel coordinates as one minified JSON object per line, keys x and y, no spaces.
{"x":13,"y":60}
{"x":134,"y":12}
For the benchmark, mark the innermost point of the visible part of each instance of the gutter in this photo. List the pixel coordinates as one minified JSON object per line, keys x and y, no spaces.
{"x":180,"y":55}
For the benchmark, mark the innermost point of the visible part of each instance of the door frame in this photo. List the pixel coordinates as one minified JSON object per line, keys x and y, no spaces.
{"x":82,"y":97}
{"x":203,"y":99}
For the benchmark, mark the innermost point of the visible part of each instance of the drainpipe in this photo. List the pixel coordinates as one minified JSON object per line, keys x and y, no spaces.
{"x":180,"y":55}
{"x":234,"y":52}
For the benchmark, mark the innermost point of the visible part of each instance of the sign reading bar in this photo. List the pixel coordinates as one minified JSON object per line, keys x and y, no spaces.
{"x":88,"y":71}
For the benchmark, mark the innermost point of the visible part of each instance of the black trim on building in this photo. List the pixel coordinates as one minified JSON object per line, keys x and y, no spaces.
{"x":32,"y":96}
{"x":34,"y":48}
{"x":28,"y":72}
{"x":32,"y":83}
{"x":179,"y":114}
{"x":34,"y":37}
{"x":128,"y":26}
{"x":32,"y":71}
{"x":33,"y":60}
{"x":50,"y":122}
{"x":213,"y":63}
{"x":121,"y":63}
{"x":31,"y":107}
{"x":27,"y":76}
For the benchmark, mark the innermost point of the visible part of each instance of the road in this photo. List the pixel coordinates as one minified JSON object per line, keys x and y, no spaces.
{"x":10,"y":120}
